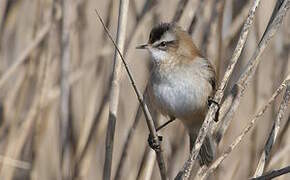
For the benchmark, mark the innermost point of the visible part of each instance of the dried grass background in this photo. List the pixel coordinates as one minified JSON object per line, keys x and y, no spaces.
{"x":55,"y":72}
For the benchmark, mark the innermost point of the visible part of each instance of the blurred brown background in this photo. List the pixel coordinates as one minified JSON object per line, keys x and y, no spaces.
{"x":34,"y":39}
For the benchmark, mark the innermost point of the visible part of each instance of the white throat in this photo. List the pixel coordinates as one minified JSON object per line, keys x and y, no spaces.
{"x":158,"y":55}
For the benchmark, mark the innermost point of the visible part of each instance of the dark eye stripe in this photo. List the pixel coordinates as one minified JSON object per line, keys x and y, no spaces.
{"x":171,"y":42}
{"x":165,"y":43}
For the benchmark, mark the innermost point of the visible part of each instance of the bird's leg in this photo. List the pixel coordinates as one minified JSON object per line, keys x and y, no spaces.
{"x":153,"y":144}
{"x":211,"y":101}
{"x":150,"y":140}
{"x":165,"y":124}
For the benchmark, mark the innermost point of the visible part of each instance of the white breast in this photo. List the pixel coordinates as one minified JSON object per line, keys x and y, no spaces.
{"x":181,"y":93}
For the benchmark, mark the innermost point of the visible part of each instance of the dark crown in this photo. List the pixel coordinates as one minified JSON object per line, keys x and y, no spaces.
{"x":157,"y":32}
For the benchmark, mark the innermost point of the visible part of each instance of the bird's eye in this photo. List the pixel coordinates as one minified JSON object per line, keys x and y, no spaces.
{"x":162,"y":44}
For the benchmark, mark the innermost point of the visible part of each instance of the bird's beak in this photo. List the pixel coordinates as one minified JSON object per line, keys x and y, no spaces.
{"x":144,"y":46}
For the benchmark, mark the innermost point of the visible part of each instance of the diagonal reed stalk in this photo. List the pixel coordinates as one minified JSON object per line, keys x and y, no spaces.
{"x":232,"y":100}
{"x":250,"y":125}
{"x":184,"y":173}
{"x":273,"y":174}
{"x":273,"y":134}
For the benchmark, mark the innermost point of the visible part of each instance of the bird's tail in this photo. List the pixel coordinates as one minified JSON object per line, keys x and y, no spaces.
{"x":207,"y":150}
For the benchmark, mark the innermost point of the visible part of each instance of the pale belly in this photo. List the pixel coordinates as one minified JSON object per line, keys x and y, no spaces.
{"x":185,"y":99}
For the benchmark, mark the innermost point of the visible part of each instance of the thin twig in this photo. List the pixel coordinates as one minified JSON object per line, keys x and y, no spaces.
{"x":109,"y":12}
{"x":115,"y":89}
{"x":273,"y":134}
{"x":178,"y":14}
{"x":262,"y":110}
{"x":232,"y":100}
{"x":148,"y":117}
{"x":273,"y":174}
{"x":237,"y":52}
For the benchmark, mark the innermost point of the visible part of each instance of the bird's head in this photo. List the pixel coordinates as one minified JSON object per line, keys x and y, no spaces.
{"x":167,"y":41}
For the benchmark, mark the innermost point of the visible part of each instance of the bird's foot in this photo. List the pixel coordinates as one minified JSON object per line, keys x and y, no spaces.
{"x":211,"y":101}
{"x":153,"y":144}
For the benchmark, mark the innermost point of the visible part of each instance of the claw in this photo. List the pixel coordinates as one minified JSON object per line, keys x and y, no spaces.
{"x":211,"y":101}
{"x":153,"y":144}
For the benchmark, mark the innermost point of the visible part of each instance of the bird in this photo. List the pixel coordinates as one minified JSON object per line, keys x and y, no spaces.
{"x":182,"y":82}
